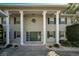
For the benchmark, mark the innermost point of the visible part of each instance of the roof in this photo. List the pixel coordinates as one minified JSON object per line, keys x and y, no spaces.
{"x":10,"y":5}
{"x":30,"y":4}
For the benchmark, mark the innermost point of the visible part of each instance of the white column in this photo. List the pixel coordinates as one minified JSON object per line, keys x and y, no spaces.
{"x":57,"y":27}
{"x":7,"y":28}
{"x":21,"y":26}
{"x":44,"y":27}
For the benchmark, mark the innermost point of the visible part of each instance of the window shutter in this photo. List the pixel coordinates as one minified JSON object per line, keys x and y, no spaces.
{"x":54,"y":20}
{"x":60,"y":34}
{"x":54,"y":34}
{"x":15,"y":35}
{"x":48,"y":34}
{"x":66,"y":20}
{"x":14,"y":20}
{"x":59,"y":20}
{"x":48,"y":20}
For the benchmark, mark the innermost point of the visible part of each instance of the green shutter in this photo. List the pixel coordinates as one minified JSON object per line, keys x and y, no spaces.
{"x":66,"y":20}
{"x":48,"y":20}
{"x":54,"y":20}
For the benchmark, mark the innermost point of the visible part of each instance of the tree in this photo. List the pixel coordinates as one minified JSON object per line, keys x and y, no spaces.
{"x":72,"y":31}
{"x":71,"y":9}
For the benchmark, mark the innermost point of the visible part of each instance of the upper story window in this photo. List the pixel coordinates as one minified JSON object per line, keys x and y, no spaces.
{"x":51,"y":20}
{"x":62,"y":20}
{"x":16,"y":20}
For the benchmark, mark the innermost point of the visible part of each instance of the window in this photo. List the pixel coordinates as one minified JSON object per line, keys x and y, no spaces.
{"x":51,"y":34}
{"x":16,"y":35}
{"x":16,"y":20}
{"x":33,"y":36}
{"x":62,"y":20}
{"x":33,"y":20}
{"x":51,"y":20}
{"x":61,"y":33}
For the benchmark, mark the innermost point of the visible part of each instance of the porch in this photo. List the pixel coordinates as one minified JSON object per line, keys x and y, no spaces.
{"x":25,"y":26}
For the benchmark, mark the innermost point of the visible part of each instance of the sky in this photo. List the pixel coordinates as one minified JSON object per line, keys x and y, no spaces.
{"x":40,"y":1}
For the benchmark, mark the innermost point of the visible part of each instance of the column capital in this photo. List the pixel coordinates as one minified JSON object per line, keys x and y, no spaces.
{"x":58,"y":11}
{"x":44,"y":12}
{"x":20,"y":11}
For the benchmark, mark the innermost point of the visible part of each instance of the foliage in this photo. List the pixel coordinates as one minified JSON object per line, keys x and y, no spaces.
{"x":1,"y":35}
{"x":72,"y":32}
{"x":72,"y":35}
{"x":72,"y":8}
{"x":65,"y":43}
{"x":9,"y":45}
{"x":56,"y":45}
{"x":75,"y":20}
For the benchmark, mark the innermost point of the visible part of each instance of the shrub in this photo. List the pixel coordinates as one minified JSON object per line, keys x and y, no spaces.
{"x":1,"y":35}
{"x":9,"y":45}
{"x":50,"y":46}
{"x":72,"y":33}
{"x":65,"y":43}
{"x":56,"y":45}
{"x":16,"y":46}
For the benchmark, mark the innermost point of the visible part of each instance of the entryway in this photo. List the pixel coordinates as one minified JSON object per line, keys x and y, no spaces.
{"x":33,"y":38}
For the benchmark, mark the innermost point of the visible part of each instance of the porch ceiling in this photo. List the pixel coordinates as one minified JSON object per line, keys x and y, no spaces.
{"x":33,"y":12}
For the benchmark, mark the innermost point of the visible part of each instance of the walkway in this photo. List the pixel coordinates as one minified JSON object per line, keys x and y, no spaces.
{"x":26,"y":51}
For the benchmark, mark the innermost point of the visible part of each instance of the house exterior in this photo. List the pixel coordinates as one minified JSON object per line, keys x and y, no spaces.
{"x":34,"y":24}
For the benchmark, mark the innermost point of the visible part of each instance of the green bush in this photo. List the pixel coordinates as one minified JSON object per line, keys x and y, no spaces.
{"x":72,"y":33}
{"x":1,"y":35}
{"x":65,"y":43}
{"x":56,"y":45}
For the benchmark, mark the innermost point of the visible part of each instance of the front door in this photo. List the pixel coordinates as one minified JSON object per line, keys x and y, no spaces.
{"x":33,"y":36}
